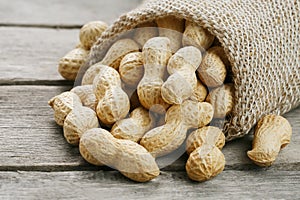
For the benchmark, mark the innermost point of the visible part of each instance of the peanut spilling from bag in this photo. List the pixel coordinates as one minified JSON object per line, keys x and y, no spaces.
{"x":154,"y":86}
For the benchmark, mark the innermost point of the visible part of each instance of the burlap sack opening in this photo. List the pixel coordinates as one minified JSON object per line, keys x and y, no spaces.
{"x":260,"y":38}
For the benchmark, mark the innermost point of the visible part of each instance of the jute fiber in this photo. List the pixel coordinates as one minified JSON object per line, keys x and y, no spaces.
{"x":260,"y":38}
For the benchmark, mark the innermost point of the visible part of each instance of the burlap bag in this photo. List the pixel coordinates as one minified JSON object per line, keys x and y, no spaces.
{"x":260,"y":38}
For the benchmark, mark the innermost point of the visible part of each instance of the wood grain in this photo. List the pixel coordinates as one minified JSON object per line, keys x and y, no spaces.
{"x":169,"y":185}
{"x":29,"y":54}
{"x":61,"y":13}
{"x":30,"y":139}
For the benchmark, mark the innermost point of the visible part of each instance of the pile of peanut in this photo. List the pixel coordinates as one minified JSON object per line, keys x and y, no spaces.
{"x":152,"y":93}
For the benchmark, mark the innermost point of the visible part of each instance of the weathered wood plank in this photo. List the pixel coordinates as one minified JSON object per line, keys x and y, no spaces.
{"x":169,"y":185}
{"x":30,"y":139}
{"x":56,"y":12}
{"x":32,"y":55}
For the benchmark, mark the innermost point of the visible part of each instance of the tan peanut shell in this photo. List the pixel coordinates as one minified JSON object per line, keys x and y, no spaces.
{"x":113,"y":102}
{"x":70,"y":64}
{"x":117,"y":52}
{"x":134,"y":127}
{"x":144,"y":32}
{"x":200,"y":92}
{"x":218,"y":50}
{"x":128,"y":157}
{"x":63,"y":104}
{"x":86,"y":95}
{"x":272,"y":133}
{"x":79,"y":120}
{"x":132,"y":69}
{"x":156,"y":53}
{"x":179,"y":119}
{"x":205,"y":162}
{"x":222,"y":100}
{"x":205,"y":135}
{"x":182,"y":80}
{"x":172,"y":28}
{"x":87,"y":156}
{"x":212,"y":71}
{"x":90,"y":32}
{"x":90,"y":74}
{"x":195,"y":35}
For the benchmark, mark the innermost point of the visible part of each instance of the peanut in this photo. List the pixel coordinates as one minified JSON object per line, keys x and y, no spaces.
{"x":63,"y":104}
{"x":156,"y":53}
{"x":86,"y":95}
{"x":144,"y":32}
{"x":113,"y":102}
{"x":131,"y":69}
{"x":87,"y":156}
{"x":222,"y":100}
{"x":70,"y":64}
{"x":197,"y":36}
{"x":128,"y":157}
{"x":208,"y":134}
{"x":272,"y":133}
{"x":179,"y":118}
{"x":182,"y":80}
{"x":117,"y":52}
{"x":90,"y":32}
{"x":212,"y":71}
{"x":134,"y":127}
{"x":77,"y":122}
{"x":90,"y":74}
{"x":205,"y":162}
{"x":172,"y":28}
{"x":221,"y":53}
{"x":200,"y":92}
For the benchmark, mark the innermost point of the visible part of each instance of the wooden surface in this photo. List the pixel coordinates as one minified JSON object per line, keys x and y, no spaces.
{"x":169,"y":185}
{"x":35,"y":160}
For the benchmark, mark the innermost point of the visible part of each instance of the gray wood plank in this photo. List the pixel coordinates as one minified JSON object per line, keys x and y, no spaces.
{"x":30,"y":139}
{"x":31,"y":55}
{"x":169,"y":185}
{"x":56,"y":12}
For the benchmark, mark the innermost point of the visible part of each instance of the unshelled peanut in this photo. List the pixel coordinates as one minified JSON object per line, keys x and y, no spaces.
{"x":179,"y":119}
{"x":222,"y":100}
{"x":200,"y":92}
{"x":128,"y":157}
{"x":63,"y":104}
{"x":272,"y":133}
{"x":86,"y":95}
{"x":212,"y":70}
{"x":79,"y":120}
{"x":90,"y":74}
{"x":113,"y":102}
{"x":134,"y":127}
{"x":117,"y":52}
{"x":132,"y":69}
{"x":205,"y":135}
{"x":70,"y":64}
{"x":90,"y":32}
{"x":182,"y":81}
{"x":156,"y":53}
{"x":195,"y":35}
{"x":205,"y":162}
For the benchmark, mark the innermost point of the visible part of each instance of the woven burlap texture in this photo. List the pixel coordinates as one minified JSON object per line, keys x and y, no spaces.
{"x":260,"y":38}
